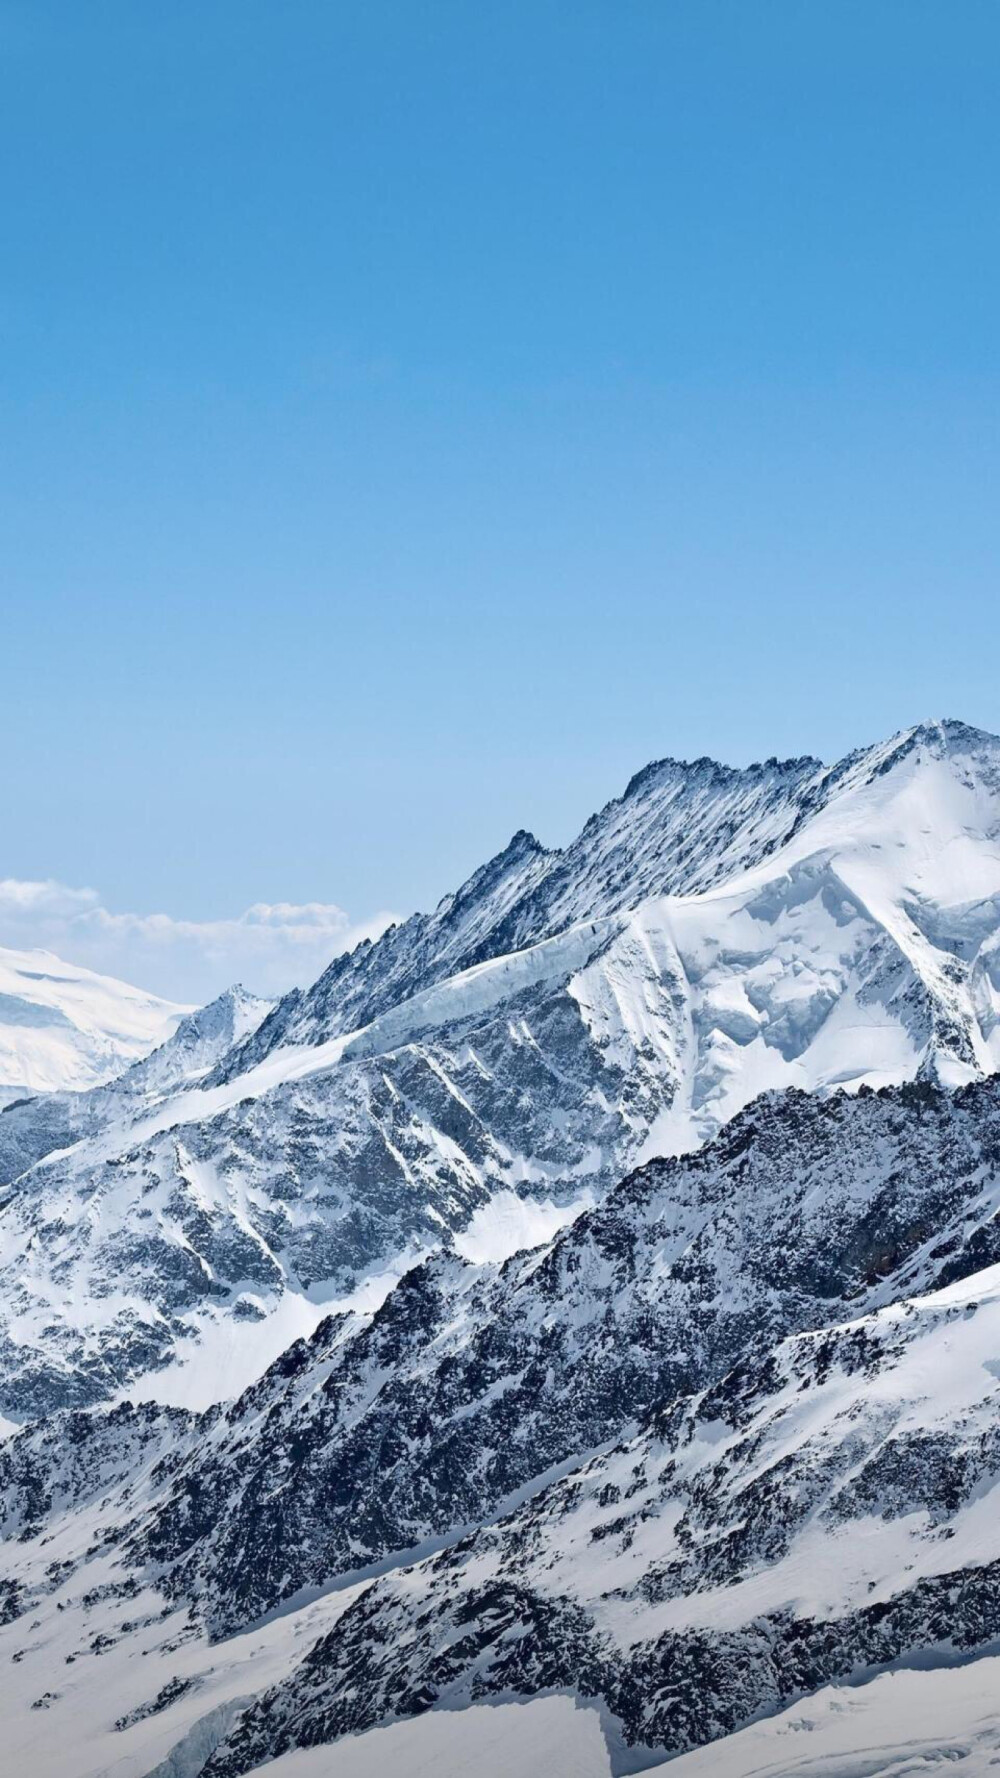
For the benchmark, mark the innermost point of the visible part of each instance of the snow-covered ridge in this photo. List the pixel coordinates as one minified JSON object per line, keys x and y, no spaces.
{"x":32,"y":1127}
{"x":681,"y":827}
{"x":908,"y":842}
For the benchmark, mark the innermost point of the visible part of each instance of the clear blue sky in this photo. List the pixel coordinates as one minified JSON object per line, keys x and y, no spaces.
{"x":417,"y":415}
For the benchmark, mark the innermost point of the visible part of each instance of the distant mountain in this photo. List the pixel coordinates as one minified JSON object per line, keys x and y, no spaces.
{"x":65,"y":1028}
{"x":711,"y":935}
{"x":32,"y":1127}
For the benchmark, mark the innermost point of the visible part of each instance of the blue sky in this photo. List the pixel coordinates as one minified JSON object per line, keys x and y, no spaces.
{"x":415,"y":416}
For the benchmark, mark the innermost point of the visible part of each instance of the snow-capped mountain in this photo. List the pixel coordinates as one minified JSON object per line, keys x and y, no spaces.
{"x":711,"y":935}
{"x":728,"y":1441}
{"x":566,"y":1337}
{"x":680,"y":830}
{"x":825,"y":1511}
{"x":63,"y":1027}
{"x":35,"y":1126}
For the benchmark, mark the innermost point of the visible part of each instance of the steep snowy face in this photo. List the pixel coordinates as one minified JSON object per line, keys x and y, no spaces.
{"x":200,"y":1040}
{"x":731,"y":1437}
{"x":65,"y":1027}
{"x":863,"y":948}
{"x":679,"y":828}
{"x":876,"y":881}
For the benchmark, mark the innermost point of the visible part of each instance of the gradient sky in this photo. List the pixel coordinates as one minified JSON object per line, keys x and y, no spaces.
{"x":415,"y":416}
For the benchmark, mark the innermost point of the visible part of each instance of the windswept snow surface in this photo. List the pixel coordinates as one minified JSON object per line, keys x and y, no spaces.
{"x":62,"y":1027}
{"x":508,"y":1224}
{"x":910,"y":1724}
{"x":222,"y":1353}
{"x":548,"y":1739}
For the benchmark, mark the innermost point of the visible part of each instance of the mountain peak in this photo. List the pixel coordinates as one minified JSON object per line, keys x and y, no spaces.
{"x":950,"y":734}
{"x":705,"y":768}
{"x":935,"y":739}
{"x":680,"y":827}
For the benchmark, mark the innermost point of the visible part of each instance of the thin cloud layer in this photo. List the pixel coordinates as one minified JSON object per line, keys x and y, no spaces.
{"x":270,"y":947}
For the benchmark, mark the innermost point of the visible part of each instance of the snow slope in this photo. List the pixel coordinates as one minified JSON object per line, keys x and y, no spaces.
{"x":548,"y":1736}
{"x":33,"y":1127}
{"x":908,"y":1724}
{"x":65,"y":1027}
{"x":680,"y":827}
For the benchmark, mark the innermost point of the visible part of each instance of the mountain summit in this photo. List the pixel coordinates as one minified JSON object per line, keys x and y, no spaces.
{"x":681,"y":828}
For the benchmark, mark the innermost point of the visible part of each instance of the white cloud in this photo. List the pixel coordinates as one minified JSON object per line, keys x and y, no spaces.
{"x":270,"y":947}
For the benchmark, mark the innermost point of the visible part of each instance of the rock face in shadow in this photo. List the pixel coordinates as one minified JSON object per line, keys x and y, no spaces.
{"x":731,"y":1436}
{"x":727,"y":1439}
